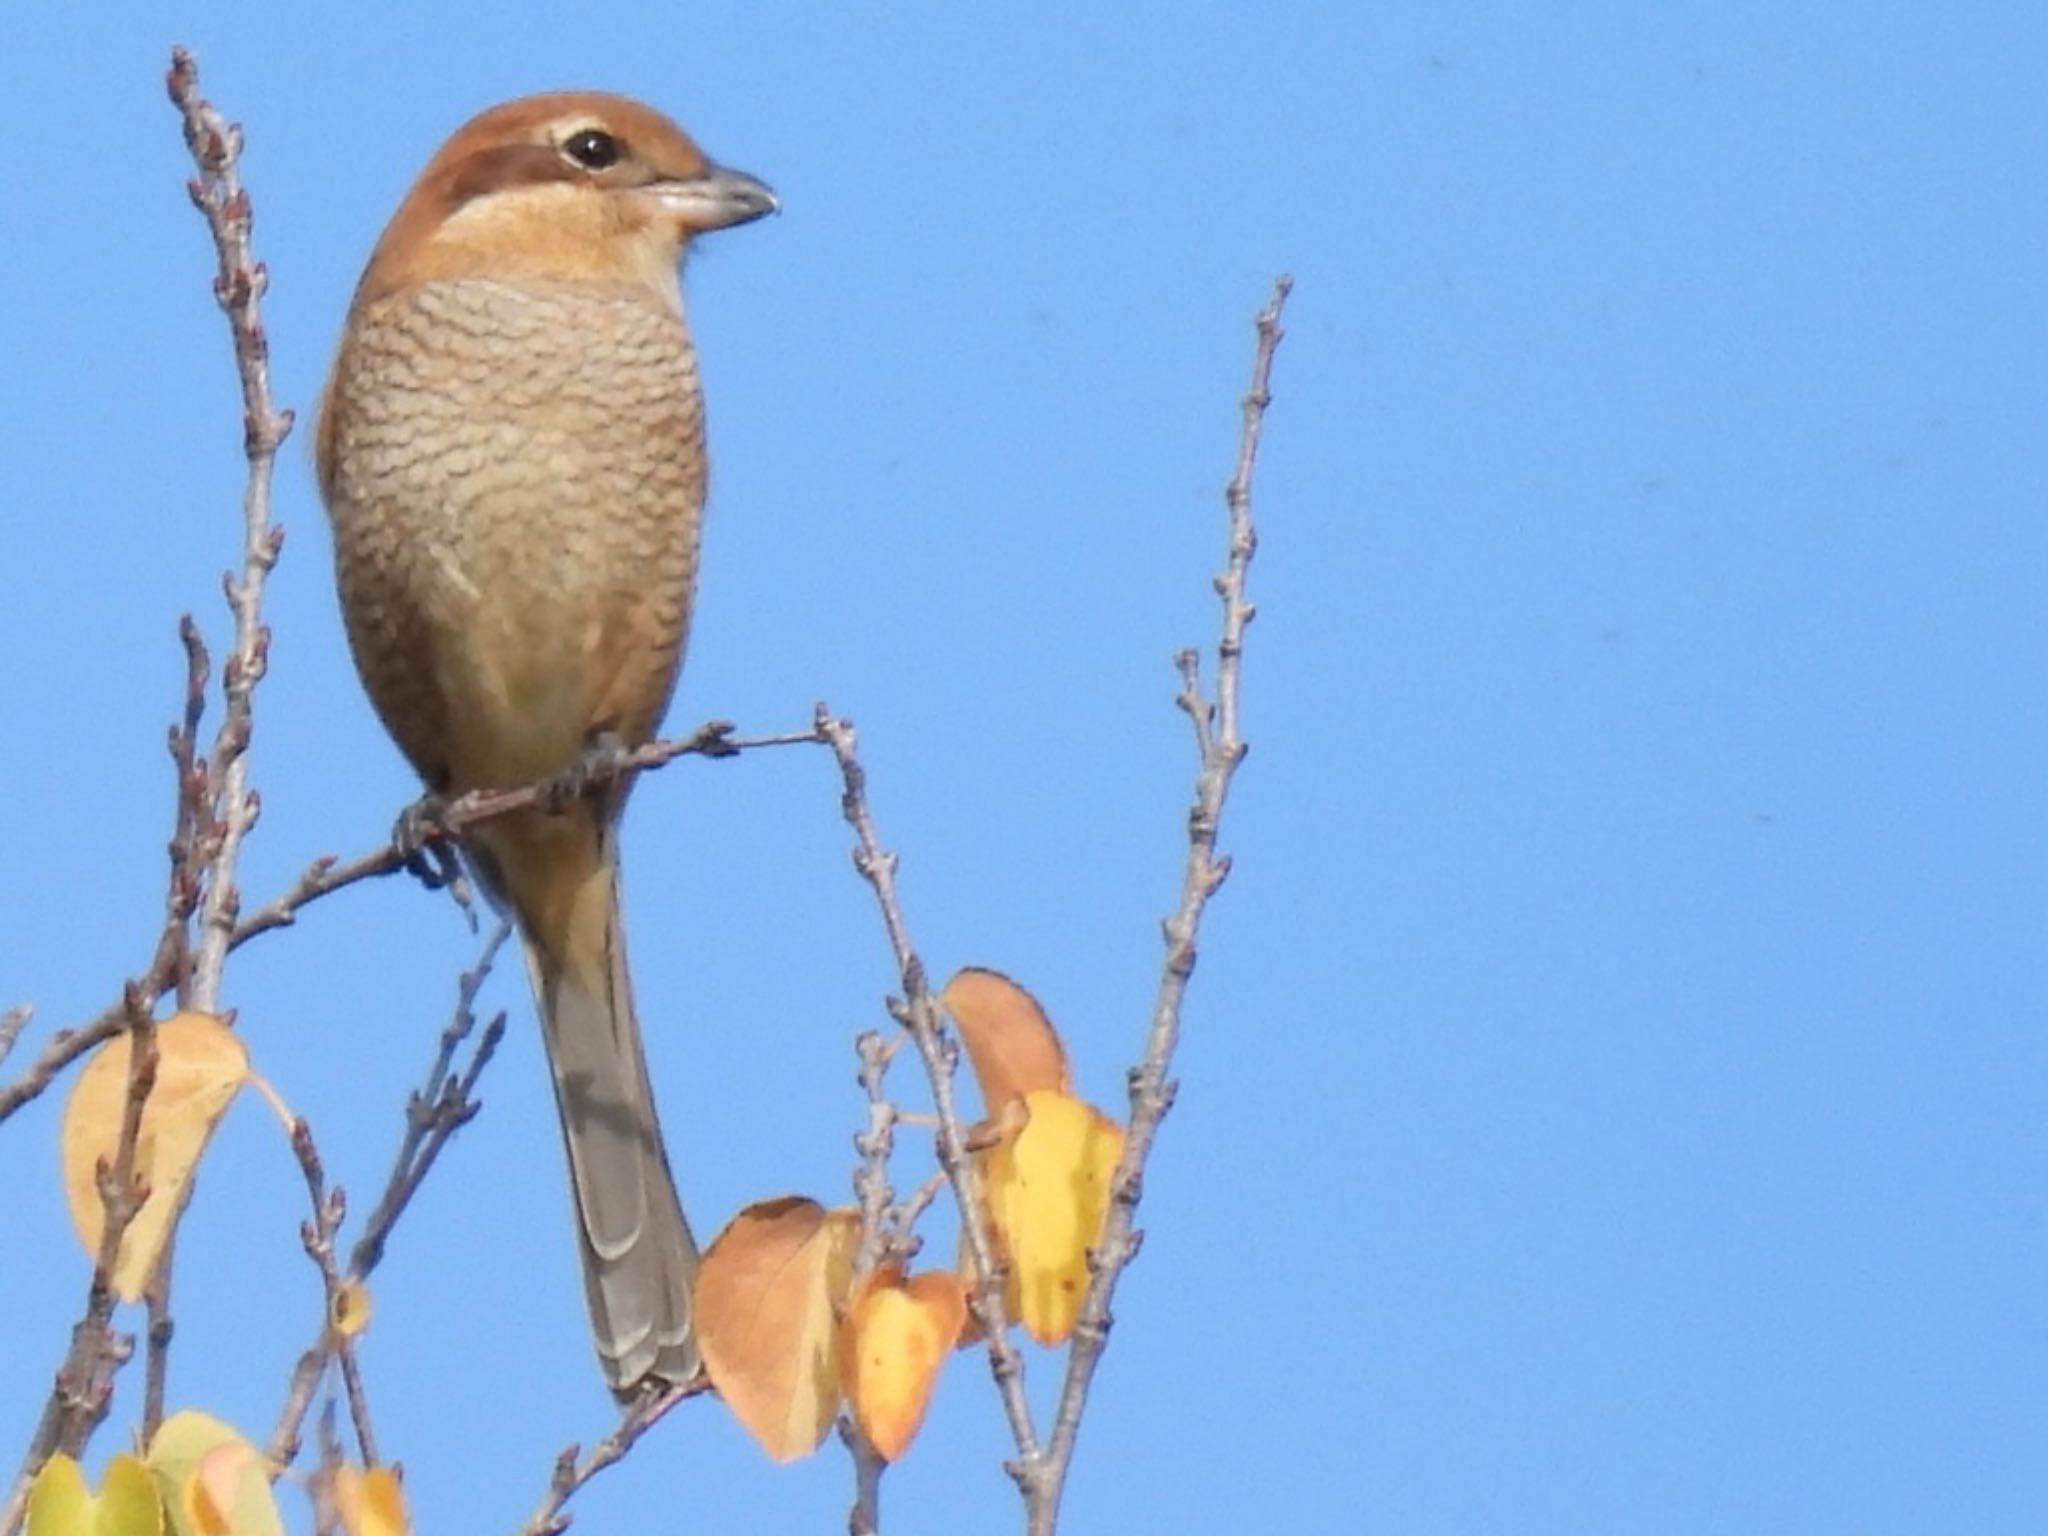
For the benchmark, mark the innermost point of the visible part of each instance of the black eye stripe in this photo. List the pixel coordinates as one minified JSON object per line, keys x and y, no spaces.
{"x":592,"y":148}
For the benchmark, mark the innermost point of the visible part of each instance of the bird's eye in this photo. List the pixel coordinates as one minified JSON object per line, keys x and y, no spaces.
{"x":593,"y":149}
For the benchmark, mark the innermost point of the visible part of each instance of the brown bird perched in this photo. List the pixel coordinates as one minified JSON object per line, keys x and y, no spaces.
{"x":511,"y":449}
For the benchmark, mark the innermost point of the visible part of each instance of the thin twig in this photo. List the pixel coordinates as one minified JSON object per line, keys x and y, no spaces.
{"x":283,"y":1448}
{"x":83,"y":1388}
{"x":1222,"y":747}
{"x":918,"y":1011}
{"x":193,"y":821}
{"x":874,"y":1196}
{"x":325,"y":875}
{"x":435,"y":1111}
{"x":239,"y":285}
{"x":550,"y":1516}
{"x":871,"y":1187}
{"x":214,"y":809}
{"x":327,"y":1519}
{"x":442,"y":1105}
{"x":12,"y":1022}
{"x":67,"y":1045}
{"x":864,"y":1518}
{"x":157,"y":1341}
{"x":168,"y":966}
{"x":903,"y":1239}
{"x":330,"y":1209}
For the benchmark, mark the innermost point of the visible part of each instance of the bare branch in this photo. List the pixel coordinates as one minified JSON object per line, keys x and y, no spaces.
{"x":330,"y":1209}
{"x":874,"y":1196}
{"x":434,"y":1112}
{"x":550,"y":1516}
{"x":871,"y":1187}
{"x":918,"y":1012}
{"x":168,"y":966}
{"x":12,"y":1022}
{"x":157,"y":1337}
{"x":903,"y":1239}
{"x":64,"y":1047}
{"x":865,"y":1517}
{"x":83,"y":1389}
{"x":239,"y":285}
{"x":327,"y":1519}
{"x":325,"y":875}
{"x":1222,"y":748}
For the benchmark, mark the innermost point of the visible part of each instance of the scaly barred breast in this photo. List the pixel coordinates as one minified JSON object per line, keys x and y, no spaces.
{"x":516,"y":475}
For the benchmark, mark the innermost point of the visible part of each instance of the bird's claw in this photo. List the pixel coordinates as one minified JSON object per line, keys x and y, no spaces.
{"x":419,"y":826}
{"x":426,"y":849}
{"x":602,"y":760}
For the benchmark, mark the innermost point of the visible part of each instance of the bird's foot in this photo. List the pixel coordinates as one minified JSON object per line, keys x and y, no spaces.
{"x":602,"y":760}
{"x":420,"y":826}
{"x":426,"y":845}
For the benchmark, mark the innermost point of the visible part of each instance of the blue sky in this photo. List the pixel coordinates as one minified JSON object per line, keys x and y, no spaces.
{"x":1612,"y":1090}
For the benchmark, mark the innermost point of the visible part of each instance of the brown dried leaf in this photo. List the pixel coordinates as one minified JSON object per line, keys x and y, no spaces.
{"x":1011,"y":1043}
{"x":765,"y":1318}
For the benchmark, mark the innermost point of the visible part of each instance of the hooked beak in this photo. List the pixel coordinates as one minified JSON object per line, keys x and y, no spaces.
{"x":718,"y":199}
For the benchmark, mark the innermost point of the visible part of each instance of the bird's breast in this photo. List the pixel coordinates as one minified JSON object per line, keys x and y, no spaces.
{"x":515,"y":475}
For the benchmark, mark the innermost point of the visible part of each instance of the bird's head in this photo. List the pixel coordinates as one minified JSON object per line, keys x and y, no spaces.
{"x":571,"y":186}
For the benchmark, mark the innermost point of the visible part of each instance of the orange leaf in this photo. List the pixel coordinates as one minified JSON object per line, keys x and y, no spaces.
{"x":1048,"y":1196}
{"x":896,"y":1337}
{"x":1010,"y":1041}
{"x":370,"y":1503}
{"x":765,"y":1300}
{"x":200,"y":1065}
{"x":215,"y":1485}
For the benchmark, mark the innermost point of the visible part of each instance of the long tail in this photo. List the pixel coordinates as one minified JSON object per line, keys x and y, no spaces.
{"x":560,"y":874}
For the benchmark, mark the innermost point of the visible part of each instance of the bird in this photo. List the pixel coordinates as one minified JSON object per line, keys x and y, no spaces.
{"x":511,"y":451}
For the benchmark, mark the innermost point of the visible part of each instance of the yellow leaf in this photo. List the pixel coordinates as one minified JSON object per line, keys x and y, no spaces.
{"x":129,"y":1505}
{"x":1048,"y":1196}
{"x":214,"y":1483}
{"x":765,"y":1302}
{"x":896,"y":1337}
{"x":351,"y":1309}
{"x":370,"y":1503}
{"x":59,"y":1503}
{"x":1009,"y":1040}
{"x":200,"y":1064}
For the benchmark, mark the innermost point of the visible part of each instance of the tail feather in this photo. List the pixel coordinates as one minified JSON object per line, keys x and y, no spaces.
{"x":560,"y":874}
